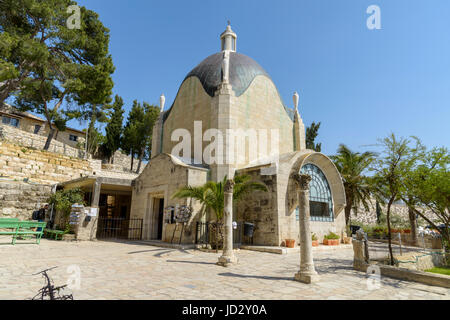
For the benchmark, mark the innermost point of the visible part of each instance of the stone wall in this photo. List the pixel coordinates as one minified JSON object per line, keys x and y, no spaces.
{"x":36,"y":141}
{"x":260,"y":208}
{"x":122,"y":162}
{"x":37,"y":166}
{"x":19,"y":199}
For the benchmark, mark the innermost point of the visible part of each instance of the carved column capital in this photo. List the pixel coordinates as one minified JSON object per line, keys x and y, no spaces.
{"x":302,"y":180}
{"x":229,"y":185}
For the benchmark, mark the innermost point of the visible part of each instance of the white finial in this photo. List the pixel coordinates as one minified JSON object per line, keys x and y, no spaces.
{"x":296,"y":97}
{"x":162,"y":101}
{"x":228,"y":39}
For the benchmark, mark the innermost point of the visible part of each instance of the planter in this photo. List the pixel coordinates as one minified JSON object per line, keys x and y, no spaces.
{"x":331,"y":242}
{"x":315,"y":243}
{"x":290,"y":243}
{"x":407,"y":231}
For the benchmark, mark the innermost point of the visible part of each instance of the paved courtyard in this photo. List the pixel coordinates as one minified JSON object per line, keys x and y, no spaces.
{"x":119,"y":270}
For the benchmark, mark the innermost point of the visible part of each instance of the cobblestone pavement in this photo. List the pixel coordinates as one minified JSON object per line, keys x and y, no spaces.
{"x":117,"y":270}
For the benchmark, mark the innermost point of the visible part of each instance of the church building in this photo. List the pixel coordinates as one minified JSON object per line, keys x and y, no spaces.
{"x":228,"y":118}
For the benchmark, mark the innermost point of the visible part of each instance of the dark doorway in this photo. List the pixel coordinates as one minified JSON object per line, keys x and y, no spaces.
{"x":160,"y":218}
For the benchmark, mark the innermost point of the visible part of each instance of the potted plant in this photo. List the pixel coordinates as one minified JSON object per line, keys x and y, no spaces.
{"x":290,"y":243}
{"x":315,"y":241}
{"x":331,"y":239}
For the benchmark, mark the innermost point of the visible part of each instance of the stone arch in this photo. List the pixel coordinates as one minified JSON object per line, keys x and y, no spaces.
{"x":293,"y":165}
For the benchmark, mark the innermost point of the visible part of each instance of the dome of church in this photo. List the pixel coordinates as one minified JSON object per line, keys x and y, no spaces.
{"x":242,"y":71}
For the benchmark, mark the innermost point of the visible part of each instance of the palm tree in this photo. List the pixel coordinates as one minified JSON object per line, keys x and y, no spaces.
{"x":211,"y":194}
{"x":352,"y":165}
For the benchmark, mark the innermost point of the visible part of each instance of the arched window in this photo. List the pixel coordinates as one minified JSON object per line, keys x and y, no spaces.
{"x":320,"y":200}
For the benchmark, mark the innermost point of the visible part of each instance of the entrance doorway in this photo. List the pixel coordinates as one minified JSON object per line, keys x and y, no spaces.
{"x":160,"y":217}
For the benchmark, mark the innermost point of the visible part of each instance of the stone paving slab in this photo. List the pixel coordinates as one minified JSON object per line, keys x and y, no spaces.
{"x":118,"y":270}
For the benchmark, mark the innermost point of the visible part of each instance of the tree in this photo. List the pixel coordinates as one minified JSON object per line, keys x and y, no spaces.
{"x":394,"y":163}
{"x":352,"y":166}
{"x":145,"y":129}
{"x":48,"y":63}
{"x":137,"y":135}
{"x":311,"y":133}
{"x":114,"y":129}
{"x":427,"y":190}
{"x":94,"y":139}
{"x":131,"y":132}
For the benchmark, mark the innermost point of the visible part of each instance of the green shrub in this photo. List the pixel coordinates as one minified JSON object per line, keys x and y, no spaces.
{"x":314,"y":237}
{"x":331,"y":236}
{"x":64,"y":199}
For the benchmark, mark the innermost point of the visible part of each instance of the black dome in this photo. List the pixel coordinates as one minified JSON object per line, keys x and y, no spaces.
{"x":243,"y":70}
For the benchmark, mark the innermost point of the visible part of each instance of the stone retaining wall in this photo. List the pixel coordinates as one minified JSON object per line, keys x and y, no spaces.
{"x":27,"y":139}
{"x":42,"y":167}
{"x":19,"y":200}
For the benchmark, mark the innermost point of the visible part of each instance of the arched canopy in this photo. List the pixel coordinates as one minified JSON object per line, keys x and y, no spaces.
{"x":295,"y":161}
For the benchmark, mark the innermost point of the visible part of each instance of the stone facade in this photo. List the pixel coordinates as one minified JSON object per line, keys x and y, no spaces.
{"x":248,"y":111}
{"x":273,"y":212}
{"x":161,"y":178}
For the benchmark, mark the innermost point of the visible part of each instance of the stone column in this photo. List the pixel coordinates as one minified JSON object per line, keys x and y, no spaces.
{"x":228,"y":256}
{"x":307,"y":273}
{"x":96,"y":189}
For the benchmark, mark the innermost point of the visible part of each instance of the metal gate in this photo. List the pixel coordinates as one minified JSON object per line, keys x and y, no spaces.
{"x":119,"y":228}
{"x":203,"y":234}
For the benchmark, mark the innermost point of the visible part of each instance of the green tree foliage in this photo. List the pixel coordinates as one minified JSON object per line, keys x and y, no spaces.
{"x":131,"y":137}
{"x":311,"y":134}
{"x":63,"y":200}
{"x":145,"y":129}
{"x":114,"y":129}
{"x":137,"y":134}
{"x":352,"y":166}
{"x":95,"y":139}
{"x":46,"y":63}
{"x":394,"y":163}
{"x":426,"y":189}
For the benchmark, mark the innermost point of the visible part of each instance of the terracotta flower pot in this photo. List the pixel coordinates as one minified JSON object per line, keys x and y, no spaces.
{"x":290,"y":243}
{"x":331,"y":242}
{"x":315,"y":243}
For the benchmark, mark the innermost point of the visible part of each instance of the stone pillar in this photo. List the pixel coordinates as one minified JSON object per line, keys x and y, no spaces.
{"x":307,"y":273}
{"x":360,"y":252}
{"x":228,"y":256}
{"x":96,"y":188}
{"x":157,"y":136}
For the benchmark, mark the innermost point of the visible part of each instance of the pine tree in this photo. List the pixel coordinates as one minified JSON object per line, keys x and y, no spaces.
{"x":114,"y":129}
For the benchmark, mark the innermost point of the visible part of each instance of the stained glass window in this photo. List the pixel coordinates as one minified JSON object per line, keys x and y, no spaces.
{"x":320,"y":200}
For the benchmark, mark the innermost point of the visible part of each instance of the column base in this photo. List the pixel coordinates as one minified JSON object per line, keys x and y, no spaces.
{"x":306,"y":277}
{"x":226,"y":261}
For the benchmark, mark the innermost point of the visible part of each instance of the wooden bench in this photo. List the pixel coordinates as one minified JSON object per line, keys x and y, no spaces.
{"x":54,"y":233}
{"x":22,"y":228}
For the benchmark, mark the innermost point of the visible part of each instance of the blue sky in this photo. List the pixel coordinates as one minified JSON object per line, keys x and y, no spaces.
{"x":360,"y":84}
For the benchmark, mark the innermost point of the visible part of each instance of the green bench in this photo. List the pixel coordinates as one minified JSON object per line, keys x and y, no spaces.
{"x":21,"y":229}
{"x":54,"y":233}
